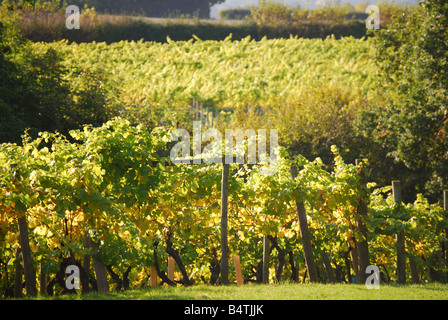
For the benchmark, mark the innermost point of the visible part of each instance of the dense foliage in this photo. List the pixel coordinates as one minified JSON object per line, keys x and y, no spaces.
{"x":270,"y":12}
{"x":113,"y":188}
{"x":412,"y":124}
{"x":35,"y":93}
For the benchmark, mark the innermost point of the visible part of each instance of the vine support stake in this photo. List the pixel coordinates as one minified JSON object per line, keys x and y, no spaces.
{"x":362,"y":245}
{"x":100,"y":268}
{"x":202,"y":114}
{"x":30,"y":274}
{"x":239,"y":274}
{"x":171,"y":268}
{"x":265,"y":259}
{"x":224,"y":267}
{"x":445,"y":200}
{"x":400,"y":237}
{"x":153,"y":276}
{"x":305,"y":234}
{"x":445,"y":208}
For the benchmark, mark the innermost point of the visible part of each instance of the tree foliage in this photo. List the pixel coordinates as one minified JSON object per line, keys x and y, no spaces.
{"x":36,"y":93}
{"x":412,"y":126}
{"x":152,"y":8}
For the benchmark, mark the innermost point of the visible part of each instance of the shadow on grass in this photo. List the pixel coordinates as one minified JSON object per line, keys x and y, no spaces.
{"x":159,"y":293}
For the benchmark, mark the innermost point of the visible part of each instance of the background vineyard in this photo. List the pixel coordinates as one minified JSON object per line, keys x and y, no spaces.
{"x":156,"y":83}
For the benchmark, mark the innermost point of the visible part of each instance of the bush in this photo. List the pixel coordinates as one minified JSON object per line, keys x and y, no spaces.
{"x":34,"y":94}
{"x":234,"y":14}
{"x":273,"y":13}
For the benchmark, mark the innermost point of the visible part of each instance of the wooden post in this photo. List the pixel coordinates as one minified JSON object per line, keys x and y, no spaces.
{"x":362,"y":245}
{"x":266,"y":252}
{"x":224,"y":267}
{"x":86,"y":257}
{"x":100,"y":268}
{"x":27,"y":260}
{"x":192,"y":107}
{"x":43,"y":280}
{"x":30,"y":274}
{"x":202,"y":115}
{"x":153,"y":276}
{"x":171,"y":263}
{"x":195,"y":112}
{"x":354,"y":255}
{"x":18,"y":275}
{"x":328,"y":268}
{"x":445,"y":208}
{"x":400,"y":237}
{"x":86,"y":264}
{"x":305,"y":234}
{"x":445,"y":200}
{"x":239,"y":274}
{"x":414,"y":269}
{"x":196,"y":108}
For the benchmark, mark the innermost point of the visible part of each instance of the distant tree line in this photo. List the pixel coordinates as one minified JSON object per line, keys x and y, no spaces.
{"x":153,"y":8}
{"x":149,"y":8}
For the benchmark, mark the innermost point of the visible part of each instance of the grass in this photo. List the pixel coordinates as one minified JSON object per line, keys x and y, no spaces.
{"x":431,"y":291}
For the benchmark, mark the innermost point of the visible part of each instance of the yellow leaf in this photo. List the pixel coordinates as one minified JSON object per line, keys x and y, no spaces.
{"x":11,"y":238}
{"x":33,"y":247}
{"x":40,"y":230}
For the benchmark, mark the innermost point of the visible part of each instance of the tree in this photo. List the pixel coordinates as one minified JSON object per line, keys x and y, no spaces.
{"x":33,"y":91}
{"x":305,"y":234}
{"x":154,"y":8}
{"x":11,"y":96}
{"x":413,"y":125}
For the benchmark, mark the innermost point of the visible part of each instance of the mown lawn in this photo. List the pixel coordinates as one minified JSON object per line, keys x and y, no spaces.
{"x":431,"y":291}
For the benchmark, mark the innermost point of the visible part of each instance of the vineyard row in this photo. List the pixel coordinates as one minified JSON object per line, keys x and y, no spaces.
{"x":107,"y":196}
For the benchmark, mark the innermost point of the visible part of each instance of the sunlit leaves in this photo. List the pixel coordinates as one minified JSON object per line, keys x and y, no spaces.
{"x":112,"y":185}
{"x":154,"y":82}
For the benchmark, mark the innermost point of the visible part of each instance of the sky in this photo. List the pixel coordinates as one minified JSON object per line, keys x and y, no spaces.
{"x":311,"y":4}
